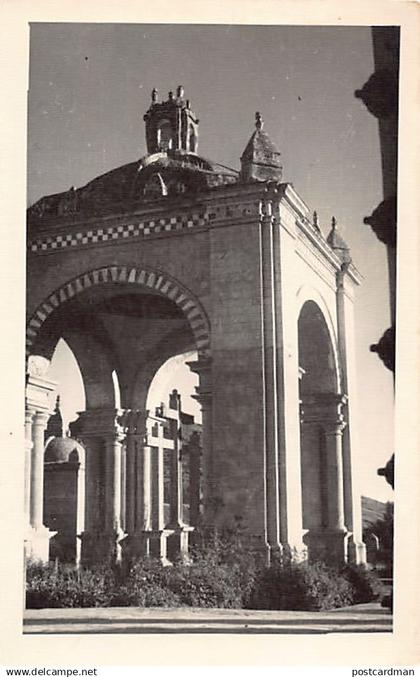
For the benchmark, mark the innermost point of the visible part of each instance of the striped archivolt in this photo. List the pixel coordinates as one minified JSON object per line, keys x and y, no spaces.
{"x":152,"y":279}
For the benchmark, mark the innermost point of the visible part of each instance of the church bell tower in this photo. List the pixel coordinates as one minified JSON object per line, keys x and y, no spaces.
{"x":171,"y":125}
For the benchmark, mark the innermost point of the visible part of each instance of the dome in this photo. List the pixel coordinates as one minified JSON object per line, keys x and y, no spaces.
{"x":338,"y":243}
{"x":62,"y":450}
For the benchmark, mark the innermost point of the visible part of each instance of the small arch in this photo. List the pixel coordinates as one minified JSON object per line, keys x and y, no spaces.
{"x":164,"y":135}
{"x":144,"y":277}
{"x":192,"y":140}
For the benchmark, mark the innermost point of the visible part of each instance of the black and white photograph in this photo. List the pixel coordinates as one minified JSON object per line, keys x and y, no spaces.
{"x":211,"y":303}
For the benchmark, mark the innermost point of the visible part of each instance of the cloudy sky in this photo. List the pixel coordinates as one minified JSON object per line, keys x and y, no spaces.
{"x":91,"y":84}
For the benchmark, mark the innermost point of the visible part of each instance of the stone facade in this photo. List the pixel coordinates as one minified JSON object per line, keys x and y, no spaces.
{"x":175,"y":253}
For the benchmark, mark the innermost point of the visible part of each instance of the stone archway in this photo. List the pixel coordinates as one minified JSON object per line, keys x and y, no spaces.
{"x":114,"y":438}
{"x":152,"y":279}
{"x":322,"y":423}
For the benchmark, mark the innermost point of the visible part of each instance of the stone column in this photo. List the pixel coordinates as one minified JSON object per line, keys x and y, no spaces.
{"x":204,"y":397}
{"x":269,"y":321}
{"x":194,"y":451}
{"x":178,"y":541}
{"x":329,"y":541}
{"x":159,"y":535}
{"x":102,"y":433}
{"x":38,"y":388}
{"x":137,"y":486}
{"x":29,"y":415}
{"x":113,"y":446}
{"x":352,"y":496}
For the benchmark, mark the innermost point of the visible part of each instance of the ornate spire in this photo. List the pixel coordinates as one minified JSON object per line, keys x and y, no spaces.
{"x":337,"y":242}
{"x":260,"y":160}
{"x":154,"y":95}
{"x":55,"y":423}
{"x":259,"y":122}
{"x":315,"y":222}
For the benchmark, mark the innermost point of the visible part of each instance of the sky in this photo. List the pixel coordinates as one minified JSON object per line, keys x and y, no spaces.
{"x":90,"y":85}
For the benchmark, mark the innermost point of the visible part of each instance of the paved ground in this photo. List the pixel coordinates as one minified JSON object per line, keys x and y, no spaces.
{"x":358,"y":618}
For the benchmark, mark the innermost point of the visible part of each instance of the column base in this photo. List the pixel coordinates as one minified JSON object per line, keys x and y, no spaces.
{"x":327,"y":545}
{"x":178,"y":542}
{"x":136,"y":546}
{"x":37,"y":544}
{"x":157,"y":543}
{"x":101,"y":548}
{"x":356,"y":551}
{"x":294,"y":552}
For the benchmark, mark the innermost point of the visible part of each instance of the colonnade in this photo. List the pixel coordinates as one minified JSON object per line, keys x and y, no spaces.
{"x":124,"y":489}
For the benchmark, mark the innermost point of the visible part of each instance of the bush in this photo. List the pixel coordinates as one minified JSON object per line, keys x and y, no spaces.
{"x":58,"y":586}
{"x":301,"y":586}
{"x":146,"y":586}
{"x":222,"y":575}
{"x":365,"y":583}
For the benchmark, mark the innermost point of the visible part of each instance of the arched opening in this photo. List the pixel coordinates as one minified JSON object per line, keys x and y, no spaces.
{"x":164,"y":135}
{"x":320,"y":434}
{"x":192,"y":140}
{"x":169,"y":399}
{"x":127,"y":335}
{"x":64,"y":460}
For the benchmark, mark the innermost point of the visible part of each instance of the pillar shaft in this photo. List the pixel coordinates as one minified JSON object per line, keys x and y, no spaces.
{"x":144,"y":491}
{"x":194,"y":488}
{"x":176,"y":498}
{"x":37,"y":469}
{"x":204,"y":397}
{"x":113,"y":483}
{"x":157,"y":517}
{"x":131,"y":467}
{"x":29,"y":415}
{"x":335,"y":498}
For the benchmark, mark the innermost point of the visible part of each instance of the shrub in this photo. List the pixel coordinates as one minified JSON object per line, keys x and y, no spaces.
{"x":146,"y":586}
{"x":301,"y":586}
{"x":57,"y":586}
{"x":365,"y":583}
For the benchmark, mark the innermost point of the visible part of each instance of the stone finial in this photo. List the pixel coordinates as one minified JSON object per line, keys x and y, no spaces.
{"x":333,"y":223}
{"x":259,"y":122}
{"x":170,"y":95}
{"x":315,"y":222}
{"x":154,"y":95}
{"x":180,"y":91}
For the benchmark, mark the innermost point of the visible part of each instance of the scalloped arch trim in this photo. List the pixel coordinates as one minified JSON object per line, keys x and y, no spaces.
{"x":165,"y":285}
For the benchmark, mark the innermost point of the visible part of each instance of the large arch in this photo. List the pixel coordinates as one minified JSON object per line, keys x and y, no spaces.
{"x":320,"y":436}
{"x":144,"y":277}
{"x":307,"y":293}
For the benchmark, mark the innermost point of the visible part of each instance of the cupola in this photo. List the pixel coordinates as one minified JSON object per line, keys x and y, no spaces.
{"x":171,"y":125}
{"x":337,"y":243}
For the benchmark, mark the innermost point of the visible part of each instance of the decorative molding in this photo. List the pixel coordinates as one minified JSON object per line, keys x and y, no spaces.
{"x":140,"y":229}
{"x":153,"y":279}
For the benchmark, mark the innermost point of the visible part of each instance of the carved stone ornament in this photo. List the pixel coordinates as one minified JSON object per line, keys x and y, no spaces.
{"x":37,"y":365}
{"x":386,"y":348}
{"x":388,"y":471}
{"x":380,"y":93}
{"x":383,"y":221}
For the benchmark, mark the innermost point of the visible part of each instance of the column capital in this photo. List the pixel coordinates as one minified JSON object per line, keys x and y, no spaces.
{"x":325,"y":409}
{"x":101,"y":422}
{"x":40,"y":418}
